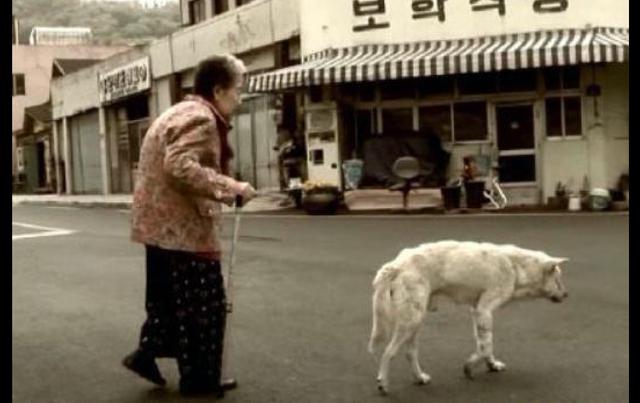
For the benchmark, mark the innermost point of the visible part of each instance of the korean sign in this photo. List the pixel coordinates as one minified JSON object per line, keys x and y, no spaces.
{"x":343,"y":23}
{"x":371,"y":14}
{"x":123,"y":81}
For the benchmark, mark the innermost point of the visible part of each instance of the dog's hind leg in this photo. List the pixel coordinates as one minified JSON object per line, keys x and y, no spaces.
{"x":400,"y":336}
{"x":483,"y":333}
{"x":412,"y":305}
{"x":422,"y":378}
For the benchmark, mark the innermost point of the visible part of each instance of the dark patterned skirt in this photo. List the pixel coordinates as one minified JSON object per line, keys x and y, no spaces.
{"x":186,"y":313}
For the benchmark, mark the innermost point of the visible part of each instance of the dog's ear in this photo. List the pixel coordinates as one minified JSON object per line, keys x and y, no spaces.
{"x":560,"y":260}
{"x":553,"y":264}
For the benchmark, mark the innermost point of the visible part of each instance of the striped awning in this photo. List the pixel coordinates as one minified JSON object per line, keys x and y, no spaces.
{"x":433,"y":58}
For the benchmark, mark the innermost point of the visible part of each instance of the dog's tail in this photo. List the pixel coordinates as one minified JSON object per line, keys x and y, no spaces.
{"x":382,"y":307}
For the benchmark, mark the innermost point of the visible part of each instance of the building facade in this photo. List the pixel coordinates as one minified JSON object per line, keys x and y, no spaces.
{"x":101,"y":113}
{"x":32,"y":69}
{"x":539,"y":88}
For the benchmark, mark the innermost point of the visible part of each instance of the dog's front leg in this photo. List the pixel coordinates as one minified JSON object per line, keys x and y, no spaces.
{"x":483,"y":332}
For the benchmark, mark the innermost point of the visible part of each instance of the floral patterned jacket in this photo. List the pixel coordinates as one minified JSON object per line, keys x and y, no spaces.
{"x":179,"y":187}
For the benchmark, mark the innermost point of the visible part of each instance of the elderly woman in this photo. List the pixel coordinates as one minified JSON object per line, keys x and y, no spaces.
{"x":183,"y":177}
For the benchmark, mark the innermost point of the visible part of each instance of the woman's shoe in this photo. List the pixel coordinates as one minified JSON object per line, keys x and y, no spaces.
{"x":145,"y":366}
{"x":228,"y":384}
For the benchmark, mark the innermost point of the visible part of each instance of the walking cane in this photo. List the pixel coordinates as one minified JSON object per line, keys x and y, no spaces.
{"x":229,"y":289}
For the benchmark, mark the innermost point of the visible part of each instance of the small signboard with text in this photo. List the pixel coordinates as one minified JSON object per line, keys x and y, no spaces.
{"x":130,"y":79}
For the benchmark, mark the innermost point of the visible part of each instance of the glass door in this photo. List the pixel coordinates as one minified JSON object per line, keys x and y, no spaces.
{"x":516,"y":144}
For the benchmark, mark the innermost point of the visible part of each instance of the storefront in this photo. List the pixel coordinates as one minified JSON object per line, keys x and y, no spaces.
{"x":535,"y":88}
{"x":125,"y":97}
{"x":36,"y":171}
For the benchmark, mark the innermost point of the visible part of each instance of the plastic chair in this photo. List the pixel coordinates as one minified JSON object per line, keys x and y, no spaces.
{"x":407,"y":169}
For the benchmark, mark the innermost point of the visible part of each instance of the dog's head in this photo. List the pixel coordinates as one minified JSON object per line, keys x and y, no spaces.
{"x":552,"y":285}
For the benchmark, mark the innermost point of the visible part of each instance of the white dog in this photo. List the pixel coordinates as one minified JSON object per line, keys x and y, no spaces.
{"x":482,"y":275}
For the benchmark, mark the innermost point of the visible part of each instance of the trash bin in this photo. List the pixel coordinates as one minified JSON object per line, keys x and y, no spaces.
{"x":475,"y":193}
{"x":451,"y":196}
{"x":599,"y":199}
{"x":352,"y":171}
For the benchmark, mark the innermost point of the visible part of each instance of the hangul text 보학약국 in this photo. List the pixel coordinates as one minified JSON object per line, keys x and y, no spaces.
{"x":425,"y":9}
{"x":370,"y":8}
{"x":482,"y":5}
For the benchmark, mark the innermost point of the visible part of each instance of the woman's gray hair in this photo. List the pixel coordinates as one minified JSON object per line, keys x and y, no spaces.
{"x":237,"y":65}
{"x":224,"y":71}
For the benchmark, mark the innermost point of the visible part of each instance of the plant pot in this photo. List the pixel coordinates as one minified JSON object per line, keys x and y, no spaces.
{"x":451,"y":197}
{"x":320,"y":203}
{"x":475,"y":193}
{"x":296,"y":195}
{"x":558,"y":202}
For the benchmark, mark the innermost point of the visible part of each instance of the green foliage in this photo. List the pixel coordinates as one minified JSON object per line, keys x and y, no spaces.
{"x":111,"y":22}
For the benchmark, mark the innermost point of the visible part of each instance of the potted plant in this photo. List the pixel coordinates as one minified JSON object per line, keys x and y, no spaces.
{"x":474,"y":189}
{"x":562,"y":197}
{"x":320,"y":197}
{"x":451,"y":195}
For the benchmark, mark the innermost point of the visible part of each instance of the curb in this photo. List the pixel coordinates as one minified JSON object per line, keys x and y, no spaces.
{"x":113,"y":205}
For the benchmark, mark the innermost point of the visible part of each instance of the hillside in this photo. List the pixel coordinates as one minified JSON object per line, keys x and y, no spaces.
{"x":111,"y":22}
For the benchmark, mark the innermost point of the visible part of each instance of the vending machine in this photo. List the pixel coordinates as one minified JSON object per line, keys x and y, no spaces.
{"x":323,"y":143}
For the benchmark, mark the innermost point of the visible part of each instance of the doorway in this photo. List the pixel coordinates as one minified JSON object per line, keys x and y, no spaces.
{"x":516,"y":144}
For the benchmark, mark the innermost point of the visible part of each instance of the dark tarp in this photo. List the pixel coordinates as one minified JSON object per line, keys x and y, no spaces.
{"x":380,"y":152}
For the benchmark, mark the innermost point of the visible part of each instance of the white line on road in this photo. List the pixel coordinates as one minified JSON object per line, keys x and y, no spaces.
{"x":47,"y":231}
{"x":61,"y":208}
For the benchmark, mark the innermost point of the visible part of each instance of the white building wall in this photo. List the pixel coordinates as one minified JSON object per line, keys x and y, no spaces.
{"x":162,"y":94}
{"x":615,"y":103}
{"x":602,"y":154}
{"x":330,"y":23}
{"x":256,"y":25}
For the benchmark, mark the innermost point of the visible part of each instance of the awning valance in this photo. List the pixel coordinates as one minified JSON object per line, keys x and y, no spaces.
{"x":433,"y":58}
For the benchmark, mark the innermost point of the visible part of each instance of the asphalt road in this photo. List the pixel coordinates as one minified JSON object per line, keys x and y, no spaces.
{"x":303,"y":315}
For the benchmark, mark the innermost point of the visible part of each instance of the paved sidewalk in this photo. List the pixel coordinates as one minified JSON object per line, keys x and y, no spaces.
{"x":372,"y":202}
{"x":271,"y":201}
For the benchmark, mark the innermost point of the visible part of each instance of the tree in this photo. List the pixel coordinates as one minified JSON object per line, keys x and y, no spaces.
{"x":110,"y":22}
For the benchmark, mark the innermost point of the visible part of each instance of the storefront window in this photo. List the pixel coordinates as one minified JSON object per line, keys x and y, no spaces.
{"x":365,"y":127}
{"x":517,"y":80}
{"x":571,"y":77}
{"x":404,"y":89}
{"x":572,"y":116}
{"x":367,"y":92}
{"x":315,"y":94}
{"x":436,"y":86}
{"x":484,"y":83}
{"x":436,"y":119}
{"x":559,"y":78}
{"x":564,"y":116}
{"x":397,"y":119}
{"x":470,"y":121}
{"x":552,"y":79}
{"x":554,"y":117}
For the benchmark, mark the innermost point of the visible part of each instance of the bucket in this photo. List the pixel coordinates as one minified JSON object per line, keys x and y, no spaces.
{"x":475,"y":193}
{"x":599,"y":199}
{"x":451,"y":197}
{"x":574,"y":203}
{"x":352,"y":171}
